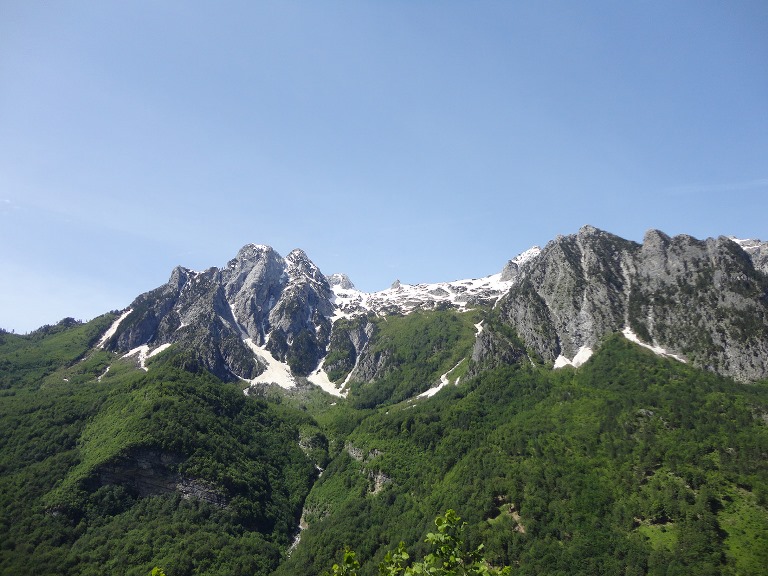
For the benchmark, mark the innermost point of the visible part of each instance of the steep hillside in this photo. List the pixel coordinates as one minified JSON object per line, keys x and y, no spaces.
{"x":121,"y":470}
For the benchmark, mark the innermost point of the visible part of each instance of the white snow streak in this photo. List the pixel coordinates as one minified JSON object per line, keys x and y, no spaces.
{"x":747,"y":244}
{"x":276,"y":372}
{"x":443,"y":383}
{"x":632,"y":337}
{"x":279,"y":373}
{"x":237,"y":323}
{"x":144,"y":353}
{"x":113,"y":328}
{"x":320,"y":378}
{"x":159,"y":349}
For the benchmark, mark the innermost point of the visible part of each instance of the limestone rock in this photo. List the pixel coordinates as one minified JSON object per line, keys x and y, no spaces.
{"x":701,"y":299}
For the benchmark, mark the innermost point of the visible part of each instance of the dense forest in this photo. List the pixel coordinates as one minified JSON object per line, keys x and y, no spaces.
{"x":630,"y":464}
{"x":90,"y":459}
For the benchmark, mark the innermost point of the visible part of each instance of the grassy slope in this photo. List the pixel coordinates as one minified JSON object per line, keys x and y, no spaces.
{"x":418,"y":349}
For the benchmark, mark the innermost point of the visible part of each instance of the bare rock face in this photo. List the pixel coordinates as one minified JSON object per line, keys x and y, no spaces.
{"x":257,"y":295}
{"x":572,"y":293}
{"x":704,"y":300}
{"x":493,"y":349}
{"x":349,"y":339}
{"x":510,"y":271}
{"x":373,"y":366}
{"x":341,"y":280}
{"x":253,"y":282}
{"x":151,"y":472}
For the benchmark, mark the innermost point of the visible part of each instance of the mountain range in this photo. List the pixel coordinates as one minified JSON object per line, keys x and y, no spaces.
{"x":702,"y":301}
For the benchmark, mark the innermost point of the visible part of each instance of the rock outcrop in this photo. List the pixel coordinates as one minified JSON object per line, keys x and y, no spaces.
{"x":341,"y":280}
{"x":152,"y":472}
{"x":349,"y":339}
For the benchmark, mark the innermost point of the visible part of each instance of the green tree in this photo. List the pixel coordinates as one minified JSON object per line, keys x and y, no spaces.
{"x":448,"y":557}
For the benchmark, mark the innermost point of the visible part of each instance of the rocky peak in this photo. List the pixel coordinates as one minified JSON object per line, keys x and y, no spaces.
{"x":340,"y":280}
{"x":179,"y":277}
{"x":299,"y":265}
{"x":257,"y":293}
{"x":589,"y":230}
{"x":254,"y":252}
{"x":512,"y":269}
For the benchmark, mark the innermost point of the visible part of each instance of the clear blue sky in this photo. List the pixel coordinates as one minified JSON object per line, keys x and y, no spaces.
{"x":424,"y":141}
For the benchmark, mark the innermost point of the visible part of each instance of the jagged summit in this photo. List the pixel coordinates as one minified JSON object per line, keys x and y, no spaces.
{"x":512,"y":268}
{"x":261,"y":309}
{"x":299,"y":265}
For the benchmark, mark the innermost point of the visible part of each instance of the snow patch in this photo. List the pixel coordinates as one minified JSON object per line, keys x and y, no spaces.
{"x":528,"y":255}
{"x":113,"y":328}
{"x":320,"y":378}
{"x":658,"y":350}
{"x":584,"y":354}
{"x":159,"y":349}
{"x":276,"y":372}
{"x":443,"y":382}
{"x":143,"y":353}
{"x":747,"y":244}
{"x":279,"y":373}
{"x":237,"y":322}
{"x":406,"y":298}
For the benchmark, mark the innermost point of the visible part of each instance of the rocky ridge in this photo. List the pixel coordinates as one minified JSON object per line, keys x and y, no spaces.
{"x":703,"y":300}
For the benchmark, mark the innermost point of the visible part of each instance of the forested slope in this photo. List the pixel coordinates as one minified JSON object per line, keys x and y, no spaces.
{"x":630,"y":464}
{"x":119,"y":471}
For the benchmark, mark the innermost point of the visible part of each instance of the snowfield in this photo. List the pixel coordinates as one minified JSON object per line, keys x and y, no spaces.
{"x":406,"y":298}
